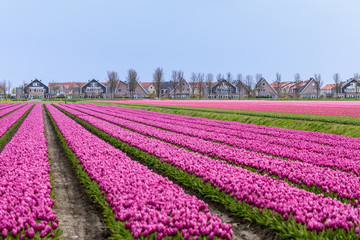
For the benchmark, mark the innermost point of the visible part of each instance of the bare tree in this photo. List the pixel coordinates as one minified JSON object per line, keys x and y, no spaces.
{"x":8,"y":86}
{"x":219,"y":77}
{"x":113,"y":77}
{"x":357,"y":78}
{"x":336,"y":78}
{"x":239,"y":83}
{"x":174,"y":79}
{"x":76,"y":91}
{"x":180,"y":77}
{"x":297,"y":84}
{"x":158,"y":80}
{"x":258,"y":77}
{"x":318,"y":83}
{"x":278,"y":83}
{"x":230,"y":80}
{"x":249,"y":83}
{"x":229,"y":77}
{"x":193,"y":80}
{"x":200,"y":79}
{"x":132,"y":79}
{"x":209,"y":81}
{"x":3,"y":88}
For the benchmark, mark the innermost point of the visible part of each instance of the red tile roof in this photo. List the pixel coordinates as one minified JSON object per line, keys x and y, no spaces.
{"x":146,"y":84}
{"x":328,"y":86}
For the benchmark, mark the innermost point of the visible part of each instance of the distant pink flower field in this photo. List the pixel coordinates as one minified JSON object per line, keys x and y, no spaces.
{"x":331,"y":108}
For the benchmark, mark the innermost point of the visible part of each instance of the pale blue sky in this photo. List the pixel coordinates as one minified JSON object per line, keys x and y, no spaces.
{"x":79,"y":40}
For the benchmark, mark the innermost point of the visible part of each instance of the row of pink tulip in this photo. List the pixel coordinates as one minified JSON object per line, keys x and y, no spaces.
{"x":316,"y":137}
{"x":149,"y":202}
{"x":345,"y":185}
{"x":7,"y":122}
{"x":323,"y":160}
{"x":25,"y":203}
{"x":7,"y":105}
{"x":14,"y":107}
{"x":329,"y":108}
{"x":248,"y":132}
{"x":315,"y":210}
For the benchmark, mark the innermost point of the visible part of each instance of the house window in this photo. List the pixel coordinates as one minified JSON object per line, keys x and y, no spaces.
{"x":66,"y":86}
{"x":263,"y":84}
{"x":35,"y":84}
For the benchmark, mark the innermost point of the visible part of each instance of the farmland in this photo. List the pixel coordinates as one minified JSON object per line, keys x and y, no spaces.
{"x":159,"y":175}
{"x":328,"y":108}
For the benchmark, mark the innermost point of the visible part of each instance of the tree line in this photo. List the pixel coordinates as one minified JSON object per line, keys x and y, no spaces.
{"x":202,"y":81}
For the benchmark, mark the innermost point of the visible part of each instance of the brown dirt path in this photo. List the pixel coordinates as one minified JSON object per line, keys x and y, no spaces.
{"x":79,"y":218}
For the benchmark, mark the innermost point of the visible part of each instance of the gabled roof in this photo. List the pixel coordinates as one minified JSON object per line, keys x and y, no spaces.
{"x":142,"y":87}
{"x":36,"y":80}
{"x":146,"y":84}
{"x":92,"y":81}
{"x":344,"y":84}
{"x":305,"y":84}
{"x":223,"y":80}
{"x":178,"y":85}
{"x":263,"y":80}
{"x":242,"y":85}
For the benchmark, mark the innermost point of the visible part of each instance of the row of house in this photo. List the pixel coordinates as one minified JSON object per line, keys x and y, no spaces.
{"x":296,"y":89}
{"x":348,"y":89}
{"x":307,"y":89}
{"x":183,"y":89}
{"x":90,"y":89}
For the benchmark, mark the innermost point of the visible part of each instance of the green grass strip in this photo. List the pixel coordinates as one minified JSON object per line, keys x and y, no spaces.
{"x":304,"y":122}
{"x":285,"y":229}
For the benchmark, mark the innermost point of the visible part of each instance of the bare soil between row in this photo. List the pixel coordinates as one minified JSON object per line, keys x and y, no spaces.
{"x":79,"y":217}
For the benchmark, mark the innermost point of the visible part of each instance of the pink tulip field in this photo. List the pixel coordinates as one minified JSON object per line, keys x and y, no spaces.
{"x":191,"y":145}
{"x":147,"y":202}
{"x":344,"y":184}
{"x":154,"y":174}
{"x":332,"y":108}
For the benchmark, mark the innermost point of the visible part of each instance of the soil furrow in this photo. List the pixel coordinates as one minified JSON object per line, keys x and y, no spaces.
{"x":79,"y":218}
